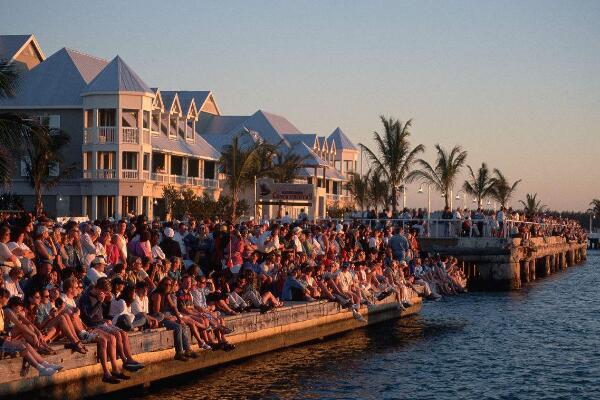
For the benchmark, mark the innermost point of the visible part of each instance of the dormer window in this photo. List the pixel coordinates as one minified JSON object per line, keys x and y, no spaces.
{"x":173,"y":127}
{"x":189,"y":129}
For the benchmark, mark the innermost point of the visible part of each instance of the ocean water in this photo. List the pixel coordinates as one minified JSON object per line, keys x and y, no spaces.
{"x":541,"y":342}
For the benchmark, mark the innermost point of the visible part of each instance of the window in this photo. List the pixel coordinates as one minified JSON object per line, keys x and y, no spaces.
{"x":176,"y":165}
{"x":50,"y":121}
{"x":146,"y":162}
{"x":146,"y":120}
{"x":189,"y":131}
{"x":173,"y":127}
{"x":348,"y":166}
{"x":181,"y":125}
{"x":53,"y":169}
{"x":105,"y":160}
{"x":88,"y":118}
{"x":107,"y":117}
{"x":24,"y":164}
{"x":129,"y":118}
{"x":193,"y":167}
{"x":209,"y":170}
{"x":155,"y":121}
{"x":129,"y":160}
{"x":338,"y":165}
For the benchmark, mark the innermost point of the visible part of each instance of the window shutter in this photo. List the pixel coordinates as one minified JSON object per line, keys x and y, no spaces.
{"x":53,"y":170}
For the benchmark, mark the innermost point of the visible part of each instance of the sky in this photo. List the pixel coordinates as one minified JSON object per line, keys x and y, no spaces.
{"x":516,"y":83}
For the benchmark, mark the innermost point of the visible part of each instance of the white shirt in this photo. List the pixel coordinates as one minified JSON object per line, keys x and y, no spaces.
{"x":69,"y":302}
{"x":26,"y":263}
{"x":179,"y":239}
{"x":93,"y":275}
{"x":118,"y":308}
{"x":273,"y":245}
{"x":13,"y":288}
{"x":139,"y":305}
{"x":157,"y":253}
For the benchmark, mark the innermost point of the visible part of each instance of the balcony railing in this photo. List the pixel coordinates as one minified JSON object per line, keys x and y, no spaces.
{"x":183,"y":180}
{"x":107,"y":134}
{"x":130,"y":135}
{"x":130,"y":174}
{"x":100,"y":174}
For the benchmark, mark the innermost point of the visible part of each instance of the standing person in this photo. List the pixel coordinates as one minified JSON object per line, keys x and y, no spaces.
{"x":500,"y":216}
{"x":169,"y":246}
{"x":120,"y":240}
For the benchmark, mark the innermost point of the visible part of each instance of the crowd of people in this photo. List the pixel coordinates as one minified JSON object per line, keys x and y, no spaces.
{"x":506,"y":222}
{"x":93,"y":282}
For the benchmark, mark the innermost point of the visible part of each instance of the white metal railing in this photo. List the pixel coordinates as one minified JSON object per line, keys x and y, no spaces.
{"x":145,"y":175}
{"x":107,"y":134}
{"x":146,"y":136}
{"x":130,"y":135}
{"x":88,"y":174}
{"x":130,"y":174}
{"x":105,"y":174}
{"x":158,"y":177}
{"x":211,"y":183}
{"x":88,"y":135}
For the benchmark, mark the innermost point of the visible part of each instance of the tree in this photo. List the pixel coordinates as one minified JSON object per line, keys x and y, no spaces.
{"x":532,"y":205}
{"x":378,"y":191}
{"x":242,"y":164}
{"x":43,"y":159}
{"x":286,"y":167}
{"x":358,"y":186}
{"x":443,"y":175}
{"x":502,"y":189}
{"x":395,"y":158}
{"x":171,"y":196}
{"x":479,"y":185}
{"x":14,"y":129}
{"x":595,"y":207}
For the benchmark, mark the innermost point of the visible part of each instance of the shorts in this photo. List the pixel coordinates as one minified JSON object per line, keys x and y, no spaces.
{"x":108,"y":329}
{"x":87,"y":337}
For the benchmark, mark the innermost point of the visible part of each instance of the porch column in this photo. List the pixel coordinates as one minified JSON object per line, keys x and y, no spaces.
{"x":94,"y":215}
{"x":150,"y":208}
{"x":118,"y":207}
{"x":138,"y":204}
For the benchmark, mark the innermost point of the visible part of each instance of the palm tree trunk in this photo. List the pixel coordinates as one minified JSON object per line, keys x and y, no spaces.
{"x":39,"y":205}
{"x":447,"y":199}
{"x":394,"y":199}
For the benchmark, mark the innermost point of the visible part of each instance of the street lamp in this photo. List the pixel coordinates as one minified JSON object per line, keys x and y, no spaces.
{"x":464,"y":203}
{"x":428,"y":199}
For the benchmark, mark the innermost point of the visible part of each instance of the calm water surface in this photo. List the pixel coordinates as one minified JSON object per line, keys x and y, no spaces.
{"x":539,"y":342}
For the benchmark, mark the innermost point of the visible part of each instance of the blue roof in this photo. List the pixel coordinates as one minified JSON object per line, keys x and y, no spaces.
{"x":199,"y":148}
{"x":307,"y":138}
{"x":117,"y":76}
{"x":10,"y":44}
{"x":341,"y":140}
{"x":56,"y":81}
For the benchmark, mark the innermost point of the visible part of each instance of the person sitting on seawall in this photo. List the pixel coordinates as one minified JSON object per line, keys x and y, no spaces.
{"x":10,"y":345}
{"x":111,"y":340}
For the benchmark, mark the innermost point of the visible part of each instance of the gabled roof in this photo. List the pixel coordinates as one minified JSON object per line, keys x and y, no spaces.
{"x":117,"y":76}
{"x":342,"y":141}
{"x":310,"y":139}
{"x":158,"y":102}
{"x":330,"y":173}
{"x":57,"y":81}
{"x":199,"y":148}
{"x":12,"y":45}
{"x":219,"y":141}
{"x":323,"y":144}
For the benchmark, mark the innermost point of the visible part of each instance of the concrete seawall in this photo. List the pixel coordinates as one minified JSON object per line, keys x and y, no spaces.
{"x":496,"y":264}
{"x":254,"y":334}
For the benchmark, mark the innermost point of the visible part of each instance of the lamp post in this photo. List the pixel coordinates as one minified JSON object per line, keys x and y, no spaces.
{"x":592,"y":217}
{"x":428,"y":199}
{"x":464,"y":203}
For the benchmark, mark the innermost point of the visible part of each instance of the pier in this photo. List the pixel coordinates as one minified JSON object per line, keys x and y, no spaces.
{"x":254,"y":334}
{"x":496,"y":264}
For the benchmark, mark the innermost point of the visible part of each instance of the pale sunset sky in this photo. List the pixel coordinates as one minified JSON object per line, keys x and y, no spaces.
{"x":516,"y":83}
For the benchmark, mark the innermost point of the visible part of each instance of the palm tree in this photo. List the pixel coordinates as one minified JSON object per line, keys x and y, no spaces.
{"x":595,"y":207}
{"x":502,"y":189}
{"x":43,"y":156}
{"x":532,"y":205}
{"x":14,"y":131}
{"x":396,"y":158}
{"x":358,"y":186}
{"x":286,"y":167}
{"x":242,"y":164}
{"x":479,"y":185}
{"x":441,"y":176}
{"x":378,"y":190}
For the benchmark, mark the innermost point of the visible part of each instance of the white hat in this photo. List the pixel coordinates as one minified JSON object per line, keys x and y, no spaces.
{"x":297,"y":229}
{"x":99,"y":260}
{"x":169,"y":232}
{"x":339,"y":227}
{"x":97,"y":230}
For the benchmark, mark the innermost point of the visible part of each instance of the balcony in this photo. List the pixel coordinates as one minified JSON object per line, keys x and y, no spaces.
{"x":130,"y":174}
{"x":100,"y":174}
{"x":183,"y":180}
{"x":107,"y":134}
{"x":130,"y":135}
